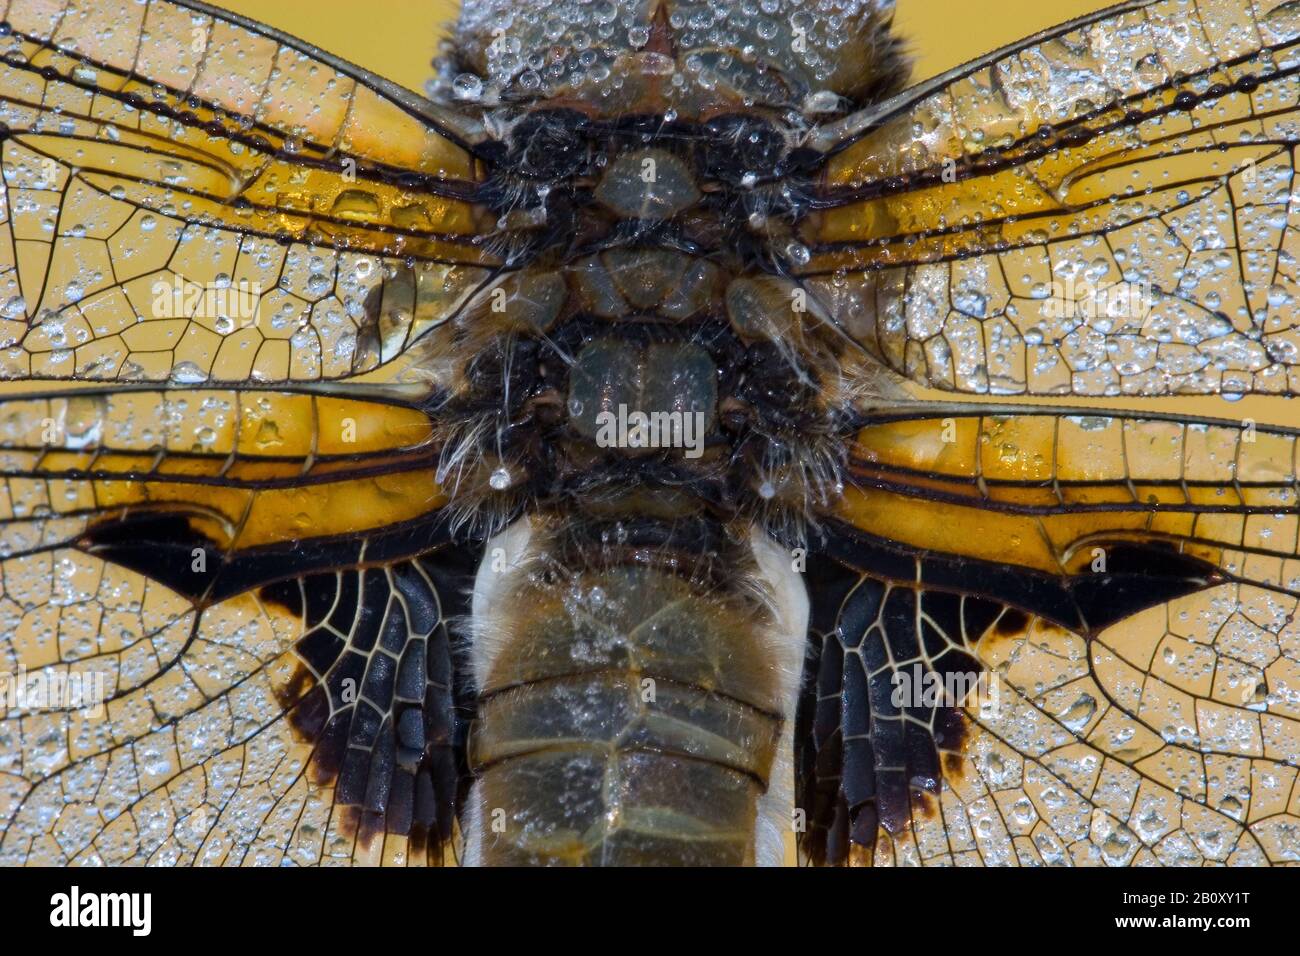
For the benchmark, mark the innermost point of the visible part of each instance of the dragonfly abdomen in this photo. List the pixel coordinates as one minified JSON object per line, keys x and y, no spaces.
{"x":631,"y":711}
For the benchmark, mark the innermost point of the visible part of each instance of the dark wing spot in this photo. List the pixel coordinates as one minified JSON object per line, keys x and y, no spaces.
{"x":1138,"y":575}
{"x":880,"y":722}
{"x":1013,"y":623}
{"x":162,"y":546}
{"x":286,"y":595}
{"x":380,"y":701}
{"x":925,"y":804}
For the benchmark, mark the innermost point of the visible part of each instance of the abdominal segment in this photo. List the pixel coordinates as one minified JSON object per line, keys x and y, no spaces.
{"x":630,"y":712}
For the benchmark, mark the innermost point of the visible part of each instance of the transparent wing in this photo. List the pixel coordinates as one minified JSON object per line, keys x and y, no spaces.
{"x":226,"y":633}
{"x":1103,"y":209}
{"x":194,"y":196}
{"x":1129,"y":586}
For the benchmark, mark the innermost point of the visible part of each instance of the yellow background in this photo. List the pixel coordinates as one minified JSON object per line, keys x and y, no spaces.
{"x":397,"y":38}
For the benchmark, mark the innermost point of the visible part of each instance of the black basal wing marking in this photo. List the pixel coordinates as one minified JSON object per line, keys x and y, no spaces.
{"x":1103,"y":209}
{"x":152,"y":151}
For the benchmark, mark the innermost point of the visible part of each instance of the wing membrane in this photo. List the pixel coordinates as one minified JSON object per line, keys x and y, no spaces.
{"x":1129,"y":585}
{"x":1103,"y":209}
{"x":254,"y":581}
{"x":1170,"y":739}
{"x":156,"y":151}
{"x":251,"y":584}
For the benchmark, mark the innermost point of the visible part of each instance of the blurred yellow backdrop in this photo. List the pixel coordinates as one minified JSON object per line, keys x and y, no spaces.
{"x":397,"y":38}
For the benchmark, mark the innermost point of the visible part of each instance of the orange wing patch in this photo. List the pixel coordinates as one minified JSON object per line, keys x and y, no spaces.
{"x":1040,"y":490}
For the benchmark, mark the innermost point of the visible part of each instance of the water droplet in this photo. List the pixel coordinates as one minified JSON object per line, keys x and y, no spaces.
{"x":268,"y":433}
{"x":1116,"y":846}
{"x":972,"y":303}
{"x":823,"y":101}
{"x":355,"y":204}
{"x":84,"y":421}
{"x":500,"y":479}
{"x":187,"y":373}
{"x":1231,"y":806}
{"x":467,"y":86}
{"x":15,"y":308}
{"x":1078,"y":714}
{"x":1284,"y":21}
{"x":1023,"y":811}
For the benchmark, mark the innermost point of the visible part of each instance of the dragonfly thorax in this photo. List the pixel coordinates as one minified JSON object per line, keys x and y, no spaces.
{"x":696,"y":58}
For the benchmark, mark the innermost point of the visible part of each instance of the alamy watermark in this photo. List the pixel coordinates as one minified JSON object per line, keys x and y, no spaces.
{"x":53,"y":689}
{"x":89,"y":909}
{"x":235,"y":302}
{"x":636,"y":429}
{"x":1073,"y":299}
{"x":920,"y":686}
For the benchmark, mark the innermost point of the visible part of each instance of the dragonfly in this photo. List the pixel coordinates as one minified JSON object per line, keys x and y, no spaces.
{"x":673,"y":439}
